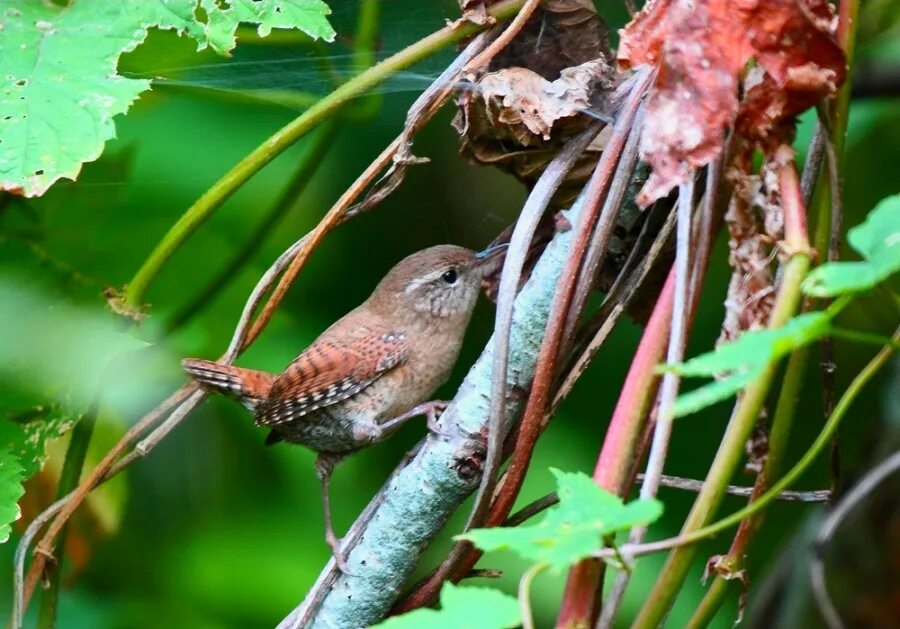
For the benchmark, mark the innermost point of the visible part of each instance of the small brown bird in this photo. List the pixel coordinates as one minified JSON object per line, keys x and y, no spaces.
{"x":371,"y":371}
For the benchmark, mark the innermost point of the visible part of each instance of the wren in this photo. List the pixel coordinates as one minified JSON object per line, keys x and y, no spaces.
{"x":371,"y":371}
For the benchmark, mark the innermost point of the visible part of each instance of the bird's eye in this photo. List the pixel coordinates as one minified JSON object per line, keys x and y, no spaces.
{"x":450,"y":276}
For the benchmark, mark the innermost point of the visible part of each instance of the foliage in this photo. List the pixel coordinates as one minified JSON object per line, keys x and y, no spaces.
{"x":11,"y":477}
{"x":574,"y":528}
{"x":739,"y":362}
{"x":877,"y":240}
{"x":212,"y":564}
{"x":462,"y":608}
{"x":61,"y":89}
{"x":56,"y":352}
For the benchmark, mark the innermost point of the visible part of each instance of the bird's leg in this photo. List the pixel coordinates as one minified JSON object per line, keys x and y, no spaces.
{"x":325,"y":464}
{"x":431,"y":410}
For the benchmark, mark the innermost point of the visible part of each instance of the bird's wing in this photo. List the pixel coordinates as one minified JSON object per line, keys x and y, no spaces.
{"x":332,"y":369}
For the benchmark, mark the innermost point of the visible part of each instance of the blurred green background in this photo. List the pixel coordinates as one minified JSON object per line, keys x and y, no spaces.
{"x":215,"y":530}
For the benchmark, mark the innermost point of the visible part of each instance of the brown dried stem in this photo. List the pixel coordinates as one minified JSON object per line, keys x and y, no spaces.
{"x":522,"y":17}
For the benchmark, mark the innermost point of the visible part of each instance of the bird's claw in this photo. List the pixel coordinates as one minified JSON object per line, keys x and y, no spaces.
{"x":433,"y":415}
{"x":340,"y":561}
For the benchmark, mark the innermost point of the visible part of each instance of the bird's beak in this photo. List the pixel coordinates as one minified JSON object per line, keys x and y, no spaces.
{"x":491,"y":252}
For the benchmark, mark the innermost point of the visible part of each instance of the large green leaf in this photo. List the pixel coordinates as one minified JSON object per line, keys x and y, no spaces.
{"x":574,"y":528}
{"x":877,"y":240}
{"x":462,"y":608}
{"x":11,"y":477}
{"x":60,"y":89}
{"x":740,"y":362}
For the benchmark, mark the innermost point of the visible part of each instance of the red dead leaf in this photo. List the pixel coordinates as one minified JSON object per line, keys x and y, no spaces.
{"x":699,"y":48}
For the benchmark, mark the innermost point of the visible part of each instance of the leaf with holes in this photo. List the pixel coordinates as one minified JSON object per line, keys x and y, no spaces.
{"x":462,"y":608}
{"x":877,"y":240}
{"x":573,"y":529}
{"x":11,"y":477}
{"x":740,"y":362}
{"x":60,"y":89}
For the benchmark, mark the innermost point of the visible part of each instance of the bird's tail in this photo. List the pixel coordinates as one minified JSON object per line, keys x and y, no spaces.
{"x":248,"y":386}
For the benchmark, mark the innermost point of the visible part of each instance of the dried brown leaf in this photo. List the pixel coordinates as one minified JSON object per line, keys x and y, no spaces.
{"x":751,"y":289}
{"x":699,"y":48}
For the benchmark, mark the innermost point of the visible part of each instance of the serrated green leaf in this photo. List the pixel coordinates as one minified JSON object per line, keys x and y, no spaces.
{"x":11,"y":477}
{"x":574,"y":528}
{"x":877,"y":240}
{"x":310,"y":16}
{"x":60,"y":90}
{"x":462,"y":608}
{"x":740,"y":362}
{"x":28,"y":440}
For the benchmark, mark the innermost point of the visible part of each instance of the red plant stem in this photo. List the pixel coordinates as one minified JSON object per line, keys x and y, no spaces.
{"x":546,"y":361}
{"x":747,"y":409}
{"x":619,"y":445}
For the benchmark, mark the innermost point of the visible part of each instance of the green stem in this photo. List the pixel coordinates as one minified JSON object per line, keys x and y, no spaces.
{"x":312,"y":159}
{"x":525,"y":593}
{"x":821,"y":442}
{"x":778,"y":440}
{"x":285,"y":137}
{"x":864,"y":337}
{"x":364,"y":56}
{"x":68,"y":481}
{"x":727,"y":458}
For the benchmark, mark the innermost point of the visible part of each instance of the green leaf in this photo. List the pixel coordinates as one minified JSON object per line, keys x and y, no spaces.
{"x":54,"y":350}
{"x":60,"y":89}
{"x":310,"y":16}
{"x":877,"y":240}
{"x":462,"y":608}
{"x":738,"y":363}
{"x":11,"y":477}
{"x":574,"y":528}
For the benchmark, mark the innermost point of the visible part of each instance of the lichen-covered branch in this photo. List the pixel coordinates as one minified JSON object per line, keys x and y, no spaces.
{"x":418,"y":500}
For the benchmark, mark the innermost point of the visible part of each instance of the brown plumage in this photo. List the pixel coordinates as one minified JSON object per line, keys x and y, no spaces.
{"x":371,"y":370}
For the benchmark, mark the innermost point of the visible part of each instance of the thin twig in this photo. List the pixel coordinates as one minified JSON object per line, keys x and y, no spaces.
{"x":691,"y":484}
{"x":596,"y":254}
{"x":315,"y":154}
{"x":671,"y":482}
{"x":525,"y":594}
{"x":74,"y":500}
{"x":522,"y":17}
{"x":828,"y":365}
{"x":662,"y":433}
{"x":607,"y":317}
{"x":851,"y":500}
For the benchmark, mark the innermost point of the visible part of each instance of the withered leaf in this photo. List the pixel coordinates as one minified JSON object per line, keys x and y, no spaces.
{"x":699,"y":48}
{"x":521,"y":105}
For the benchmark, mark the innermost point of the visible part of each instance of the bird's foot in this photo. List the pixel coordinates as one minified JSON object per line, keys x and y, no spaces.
{"x":340,"y":561}
{"x":433,"y":411}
